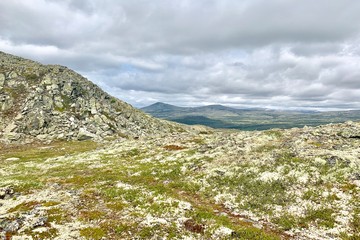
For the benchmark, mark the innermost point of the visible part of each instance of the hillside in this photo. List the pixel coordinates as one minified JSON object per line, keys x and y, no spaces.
{"x":50,"y":102}
{"x":218,"y":116}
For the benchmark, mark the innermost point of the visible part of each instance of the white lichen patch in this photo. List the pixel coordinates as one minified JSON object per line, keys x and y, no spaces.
{"x":301,"y":177}
{"x":151,"y":221}
{"x":222,"y":232}
{"x":125,"y":186}
{"x":269,"y":176}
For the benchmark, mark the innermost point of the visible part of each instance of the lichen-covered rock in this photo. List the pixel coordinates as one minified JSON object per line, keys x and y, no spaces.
{"x":85,"y":135}
{"x":53,"y":101}
{"x":6,"y":192}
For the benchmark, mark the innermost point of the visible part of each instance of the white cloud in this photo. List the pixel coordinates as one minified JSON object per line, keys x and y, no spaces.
{"x":280,"y":53}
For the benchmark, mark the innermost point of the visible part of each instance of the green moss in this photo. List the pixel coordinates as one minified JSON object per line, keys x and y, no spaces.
{"x":253,"y":234}
{"x":198,"y":140}
{"x":322,"y":217}
{"x":28,"y":183}
{"x":24,"y":207}
{"x":287,"y":157}
{"x":31,"y":77}
{"x":265,"y":148}
{"x":91,"y":215}
{"x":355,"y":222}
{"x":274,"y":133}
{"x":286,"y":222}
{"x":317,"y":144}
{"x":132,"y":153}
{"x":255,"y":195}
{"x":50,"y":203}
{"x":57,"y":215}
{"x":55,"y":149}
{"x":147,"y":232}
{"x":51,"y":233}
{"x":311,"y":194}
{"x":94,"y":233}
{"x":205,"y":216}
{"x":122,"y":228}
{"x":116,"y":206}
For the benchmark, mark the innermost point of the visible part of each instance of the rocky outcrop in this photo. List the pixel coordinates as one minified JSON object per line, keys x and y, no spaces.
{"x":53,"y":102}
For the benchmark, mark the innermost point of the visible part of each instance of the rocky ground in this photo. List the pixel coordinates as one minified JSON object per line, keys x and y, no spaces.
{"x":276,"y":184}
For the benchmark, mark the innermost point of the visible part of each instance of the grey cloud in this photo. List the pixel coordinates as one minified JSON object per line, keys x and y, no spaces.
{"x":320,"y":49}
{"x":177,"y":27}
{"x":280,"y":53}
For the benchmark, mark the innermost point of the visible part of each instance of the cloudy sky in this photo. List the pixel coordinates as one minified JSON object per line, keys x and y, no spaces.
{"x":249,"y":53}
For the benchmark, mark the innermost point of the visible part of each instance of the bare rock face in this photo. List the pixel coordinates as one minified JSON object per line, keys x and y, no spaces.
{"x":53,"y":102}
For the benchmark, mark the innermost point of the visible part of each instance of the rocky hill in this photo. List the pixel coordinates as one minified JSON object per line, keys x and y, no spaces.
{"x":53,"y":102}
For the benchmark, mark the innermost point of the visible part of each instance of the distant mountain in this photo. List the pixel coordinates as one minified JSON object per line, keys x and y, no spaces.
{"x":159,"y":106}
{"x":219,"y":116}
{"x":168,"y":111}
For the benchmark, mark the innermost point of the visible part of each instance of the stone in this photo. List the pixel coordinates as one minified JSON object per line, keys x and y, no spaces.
{"x":11,"y":136}
{"x":12,"y":159}
{"x":43,"y":137}
{"x":6,"y":192}
{"x":47,"y":80}
{"x":355,"y":176}
{"x":13,"y":75}
{"x":12,"y":227}
{"x":10,"y":128}
{"x":19,"y":117}
{"x":2,"y":79}
{"x":85,"y":135}
{"x":39,"y":221}
{"x":331,"y":160}
{"x":61,"y":136}
{"x":223,"y":232}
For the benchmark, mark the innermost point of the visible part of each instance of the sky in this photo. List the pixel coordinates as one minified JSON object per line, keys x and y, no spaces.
{"x":281,"y":54}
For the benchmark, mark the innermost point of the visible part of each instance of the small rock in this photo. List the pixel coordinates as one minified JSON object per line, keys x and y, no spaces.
{"x":6,"y":192}
{"x":12,"y":136}
{"x":332,"y":160}
{"x":185,"y":205}
{"x":320,"y":161}
{"x":12,"y":227}
{"x":40,"y":221}
{"x":223,"y":214}
{"x":355,"y":176}
{"x":85,"y":135}
{"x":192,"y":226}
{"x":219,"y":172}
{"x":12,"y":159}
{"x":42,"y":137}
{"x":10,"y":128}
{"x":222,"y":232}
{"x":257,"y":225}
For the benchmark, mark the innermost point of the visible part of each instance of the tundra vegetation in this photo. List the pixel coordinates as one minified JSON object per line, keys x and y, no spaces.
{"x":278,"y":184}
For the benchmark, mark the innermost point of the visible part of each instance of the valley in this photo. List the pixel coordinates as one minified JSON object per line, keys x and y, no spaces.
{"x":218,"y":116}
